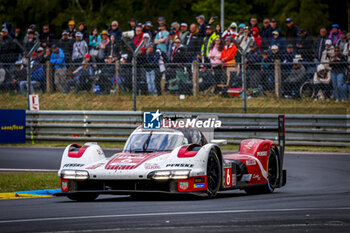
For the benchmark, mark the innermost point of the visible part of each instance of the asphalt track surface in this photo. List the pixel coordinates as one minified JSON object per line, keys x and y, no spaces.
{"x":315,"y":199}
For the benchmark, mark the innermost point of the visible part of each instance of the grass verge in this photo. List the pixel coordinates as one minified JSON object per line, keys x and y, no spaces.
{"x":200,"y":103}
{"x":11,"y":182}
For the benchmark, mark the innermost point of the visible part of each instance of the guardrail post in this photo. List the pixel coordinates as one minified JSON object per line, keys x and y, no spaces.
{"x":278,"y":78}
{"x":49,"y":83}
{"x":117,"y":68}
{"x":195,"y":77}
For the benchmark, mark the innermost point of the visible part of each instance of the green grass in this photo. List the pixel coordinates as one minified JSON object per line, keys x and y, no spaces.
{"x":201,"y":103}
{"x":11,"y":182}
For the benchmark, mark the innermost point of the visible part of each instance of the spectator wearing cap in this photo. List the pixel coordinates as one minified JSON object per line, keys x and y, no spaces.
{"x":254,"y":23}
{"x":176,"y":28}
{"x":147,"y":28}
{"x":343,"y":40}
{"x":295,"y":78}
{"x":37,"y":78}
{"x":305,"y":46}
{"x":82,"y":79}
{"x":170,"y":43}
{"x":9,"y":52}
{"x":338,"y":65}
{"x":8,"y":26}
{"x":231,"y":31}
{"x":202,"y":30}
{"x":161,"y":38}
{"x":107,"y":74}
{"x":124,"y":79}
{"x":288,"y":57}
{"x":274,"y":27}
{"x":206,"y":75}
{"x":184,"y":31}
{"x":32,"y":27}
{"x":253,"y":70}
{"x":102,"y":46}
{"x":279,"y":41}
{"x":266,"y":34}
{"x":229,"y":63}
{"x":292,"y":32}
{"x":335,"y":34}
{"x":267,"y":71}
{"x":71,"y":29}
{"x":80,"y":48}
{"x":327,"y":53}
{"x":113,"y":48}
{"x":215,"y":52}
{"x":46,"y":37}
{"x":245,"y":39}
{"x":207,"y":40}
{"x":38,"y":73}
{"x":193,"y":43}
{"x":66,"y":45}
{"x":58,"y":61}
{"x":40,"y":53}
{"x":275,"y":53}
{"x":241,"y":28}
{"x":152,"y":59}
{"x":160,"y":20}
{"x":17,"y":75}
{"x":94,"y":41}
{"x":114,"y":28}
{"x":320,"y":44}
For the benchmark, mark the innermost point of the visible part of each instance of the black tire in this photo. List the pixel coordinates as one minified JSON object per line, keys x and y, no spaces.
{"x":307,"y":90}
{"x":213,"y":174}
{"x":82,"y":196}
{"x":273,"y":173}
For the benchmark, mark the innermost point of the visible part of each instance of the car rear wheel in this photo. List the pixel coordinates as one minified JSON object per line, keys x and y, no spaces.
{"x":213,"y":174}
{"x":82,"y":196}
{"x":272,"y":175}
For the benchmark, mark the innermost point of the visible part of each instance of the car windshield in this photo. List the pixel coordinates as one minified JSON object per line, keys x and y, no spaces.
{"x":154,"y":141}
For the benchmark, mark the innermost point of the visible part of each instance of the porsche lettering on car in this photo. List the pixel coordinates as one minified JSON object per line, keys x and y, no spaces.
{"x":175,"y":160}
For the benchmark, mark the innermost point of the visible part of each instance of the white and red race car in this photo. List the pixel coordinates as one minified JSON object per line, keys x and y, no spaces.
{"x":174,"y":160}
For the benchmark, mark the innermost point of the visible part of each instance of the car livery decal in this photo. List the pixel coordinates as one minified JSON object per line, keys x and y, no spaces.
{"x":129,"y":161}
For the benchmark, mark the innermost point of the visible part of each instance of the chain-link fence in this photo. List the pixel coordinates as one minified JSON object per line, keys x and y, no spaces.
{"x":188,"y":66}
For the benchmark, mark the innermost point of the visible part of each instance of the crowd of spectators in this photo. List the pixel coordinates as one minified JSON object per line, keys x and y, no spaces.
{"x":82,"y":59}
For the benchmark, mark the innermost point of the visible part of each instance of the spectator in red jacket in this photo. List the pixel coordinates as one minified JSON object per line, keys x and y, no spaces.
{"x":256,"y":36}
{"x":138,"y":36}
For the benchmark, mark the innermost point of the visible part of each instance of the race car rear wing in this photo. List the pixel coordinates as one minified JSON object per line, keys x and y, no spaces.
{"x":280,"y":129}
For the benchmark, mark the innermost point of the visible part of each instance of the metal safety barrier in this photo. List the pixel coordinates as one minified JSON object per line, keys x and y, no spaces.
{"x":116,"y":126}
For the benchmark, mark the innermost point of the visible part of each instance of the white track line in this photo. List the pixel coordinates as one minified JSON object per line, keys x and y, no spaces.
{"x":26,"y":170}
{"x":166,"y":214}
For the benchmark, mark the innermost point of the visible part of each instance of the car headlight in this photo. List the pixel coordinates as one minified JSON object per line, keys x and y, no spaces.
{"x":165,"y":175}
{"x":74,"y":175}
